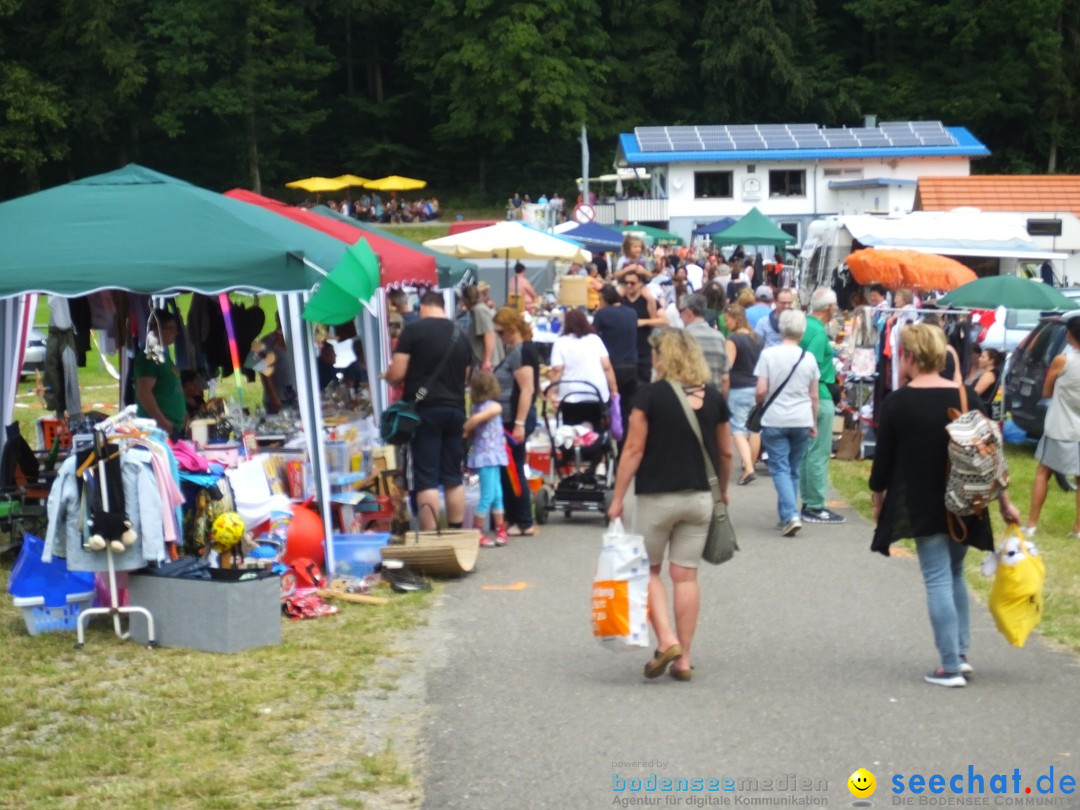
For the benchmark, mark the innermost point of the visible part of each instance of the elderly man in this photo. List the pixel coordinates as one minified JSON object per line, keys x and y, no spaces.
{"x":713,"y":344}
{"x":768,"y":327}
{"x":814,"y":475}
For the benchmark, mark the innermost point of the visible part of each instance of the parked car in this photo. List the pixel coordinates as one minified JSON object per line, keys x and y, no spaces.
{"x":34,"y":356}
{"x":1026,"y":371}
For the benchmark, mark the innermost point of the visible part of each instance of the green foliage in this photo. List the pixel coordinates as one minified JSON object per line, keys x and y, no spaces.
{"x":484,"y":97}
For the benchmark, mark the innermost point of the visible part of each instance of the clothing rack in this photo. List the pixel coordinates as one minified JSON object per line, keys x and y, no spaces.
{"x":126,"y":417}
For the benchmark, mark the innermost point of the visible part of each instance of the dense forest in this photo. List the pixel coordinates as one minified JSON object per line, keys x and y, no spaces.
{"x":484,"y":97}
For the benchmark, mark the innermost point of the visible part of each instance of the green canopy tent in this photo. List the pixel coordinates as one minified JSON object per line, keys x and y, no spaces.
{"x":657,"y":236}
{"x":754,"y":229}
{"x":1013,"y":292}
{"x":144,"y":232}
{"x":453,"y":272}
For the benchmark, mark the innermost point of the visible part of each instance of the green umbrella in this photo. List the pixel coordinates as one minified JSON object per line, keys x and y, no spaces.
{"x":657,"y":236}
{"x":1007,"y":291}
{"x":353,"y":281}
{"x":753,"y":229}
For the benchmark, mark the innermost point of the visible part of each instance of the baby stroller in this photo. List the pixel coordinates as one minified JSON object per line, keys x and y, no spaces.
{"x":582,"y":470}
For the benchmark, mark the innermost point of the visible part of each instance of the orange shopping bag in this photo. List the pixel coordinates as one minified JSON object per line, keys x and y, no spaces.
{"x":621,"y":590}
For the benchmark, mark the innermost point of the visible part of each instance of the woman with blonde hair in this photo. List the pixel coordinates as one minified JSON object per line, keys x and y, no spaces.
{"x":518,"y":375}
{"x":674,"y":499}
{"x":907,"y":483}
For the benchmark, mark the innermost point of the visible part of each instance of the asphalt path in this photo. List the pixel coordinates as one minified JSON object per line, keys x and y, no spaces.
{"x":809,"y":659}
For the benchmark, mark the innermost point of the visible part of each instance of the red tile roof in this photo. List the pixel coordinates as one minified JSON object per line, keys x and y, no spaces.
{"x":1049,"y":193}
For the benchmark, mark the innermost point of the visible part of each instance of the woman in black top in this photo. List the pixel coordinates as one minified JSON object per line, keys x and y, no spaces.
{"x":743,"y":350}
{"x":908,"y":485}
{"x":518,"y":375}
{"x":674,"y":499}
{"x":989,"y":366}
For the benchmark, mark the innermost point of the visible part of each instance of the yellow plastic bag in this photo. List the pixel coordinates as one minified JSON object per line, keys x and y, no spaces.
{"x":1016,"y":597}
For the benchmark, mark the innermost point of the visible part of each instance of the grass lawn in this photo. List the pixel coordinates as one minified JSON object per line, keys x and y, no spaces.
{"x":1061,"y":616}
{"x":117,"y":724}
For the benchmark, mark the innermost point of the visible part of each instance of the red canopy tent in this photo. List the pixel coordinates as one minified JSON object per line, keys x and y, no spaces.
{"x":398,"y":264}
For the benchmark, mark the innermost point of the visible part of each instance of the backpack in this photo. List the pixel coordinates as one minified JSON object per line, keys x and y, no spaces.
{"x":977,"y":471}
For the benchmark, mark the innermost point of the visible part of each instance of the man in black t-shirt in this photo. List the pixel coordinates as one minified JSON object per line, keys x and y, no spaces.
{"x":438,"y":449}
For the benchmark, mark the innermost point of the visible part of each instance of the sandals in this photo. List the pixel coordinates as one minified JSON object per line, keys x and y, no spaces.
{"x":660,"y":661}
{"x":748,"y":479}
{"x":681,"y":674}
{"x":532,"y":531}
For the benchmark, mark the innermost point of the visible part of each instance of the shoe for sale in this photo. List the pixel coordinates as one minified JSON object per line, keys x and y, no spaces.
{"x":791,"y":528}
{"x":821,"y":516}
{"x":486,"y":542}
{"x":940,"y":677}
{"x":501,"y":536}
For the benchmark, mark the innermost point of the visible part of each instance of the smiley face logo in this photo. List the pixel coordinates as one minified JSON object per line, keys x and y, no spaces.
{"x":862,"y":784}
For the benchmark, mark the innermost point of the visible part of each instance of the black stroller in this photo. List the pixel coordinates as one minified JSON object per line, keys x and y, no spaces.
{"x":581,"y":476}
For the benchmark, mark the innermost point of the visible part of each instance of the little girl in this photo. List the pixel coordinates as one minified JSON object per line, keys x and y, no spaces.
{"x":488,"y":454}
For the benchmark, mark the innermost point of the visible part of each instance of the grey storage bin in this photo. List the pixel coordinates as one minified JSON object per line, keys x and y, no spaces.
{"x":208,"y":615}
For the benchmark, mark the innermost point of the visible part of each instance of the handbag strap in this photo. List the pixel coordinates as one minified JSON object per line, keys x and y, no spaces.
{"x":776,"y":393}
{"x":422,"y":391}
{"x":691,"y":417}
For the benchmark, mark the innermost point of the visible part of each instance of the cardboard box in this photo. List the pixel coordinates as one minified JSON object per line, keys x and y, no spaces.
{"x":574,"y":291}
{"x":208,"y":615}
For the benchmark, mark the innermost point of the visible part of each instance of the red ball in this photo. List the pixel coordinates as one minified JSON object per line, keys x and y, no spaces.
{"x":305,"y":536}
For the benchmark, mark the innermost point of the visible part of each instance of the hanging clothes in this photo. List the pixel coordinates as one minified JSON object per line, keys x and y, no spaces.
{"x":61,"y":368}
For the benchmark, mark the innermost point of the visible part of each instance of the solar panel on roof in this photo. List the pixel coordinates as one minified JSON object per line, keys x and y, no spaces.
{"x":803,"y":127}
{"x":927,"y":126}
{"x":807,"y":141}
{"x":742,"y":129}
{"x":937,"y":139}
{"x":713,"y":131}
{"x":905,"y":140}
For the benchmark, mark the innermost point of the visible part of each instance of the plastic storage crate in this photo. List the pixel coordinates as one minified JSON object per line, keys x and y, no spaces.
{"x":40,"y":618}
{"x":358,"y":554}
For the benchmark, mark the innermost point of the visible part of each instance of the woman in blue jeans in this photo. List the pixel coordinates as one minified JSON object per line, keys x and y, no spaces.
{"x":908,"y":487}
{"x":787,"y":381}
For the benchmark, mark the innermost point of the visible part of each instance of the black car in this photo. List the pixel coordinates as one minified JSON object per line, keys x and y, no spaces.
{"x":1027,"y":370}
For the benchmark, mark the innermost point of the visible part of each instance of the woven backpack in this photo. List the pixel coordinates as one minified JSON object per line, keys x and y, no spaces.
{"x":977,"y":471}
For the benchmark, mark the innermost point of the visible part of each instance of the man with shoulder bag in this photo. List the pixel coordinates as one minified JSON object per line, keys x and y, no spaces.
{"x":432,"y":358}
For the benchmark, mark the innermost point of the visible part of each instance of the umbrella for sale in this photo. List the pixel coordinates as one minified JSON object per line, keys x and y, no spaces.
{"x":1008,"y":291}
{"x":317,"y":185}
{"x":353,"y":281}
{"x":395,"y":183}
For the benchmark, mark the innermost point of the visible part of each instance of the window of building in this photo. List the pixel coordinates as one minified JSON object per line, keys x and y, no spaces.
{"x":849,"y":173}
{"x":791,"y":228}
{"x":787,"y":183}
{"x":1044,"y":227}
{"x":712,"y":185}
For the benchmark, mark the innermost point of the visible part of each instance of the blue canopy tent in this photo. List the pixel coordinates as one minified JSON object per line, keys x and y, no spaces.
{"x":597,"y":238}
{"x":714,"y":227}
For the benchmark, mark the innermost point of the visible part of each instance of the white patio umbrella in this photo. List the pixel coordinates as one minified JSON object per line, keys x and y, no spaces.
{"x":509,"y":240}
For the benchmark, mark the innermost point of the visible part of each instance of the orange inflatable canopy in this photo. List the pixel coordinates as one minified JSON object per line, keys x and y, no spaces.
{"x":907,"y":268}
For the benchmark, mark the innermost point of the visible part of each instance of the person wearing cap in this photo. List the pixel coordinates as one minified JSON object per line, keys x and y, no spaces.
{"x":763,"y":295}
{"x":523,"y":287}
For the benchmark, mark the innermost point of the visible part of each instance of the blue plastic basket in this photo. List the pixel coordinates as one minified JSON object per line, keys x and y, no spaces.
{"x":358,"y":554}
{"x":40,"y":618}
{"x":50,"y":582}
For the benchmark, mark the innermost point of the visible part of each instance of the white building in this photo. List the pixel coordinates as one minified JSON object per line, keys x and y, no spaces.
{"x":793,"y":173}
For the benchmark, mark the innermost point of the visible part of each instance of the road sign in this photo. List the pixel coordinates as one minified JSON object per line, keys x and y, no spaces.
{"x":583,"y":212}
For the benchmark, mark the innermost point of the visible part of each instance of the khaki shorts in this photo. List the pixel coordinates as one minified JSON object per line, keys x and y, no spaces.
{"x":676,"y":519}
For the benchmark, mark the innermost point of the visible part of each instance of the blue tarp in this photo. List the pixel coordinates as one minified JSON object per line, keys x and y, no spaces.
{"x":714,"y":227}
{"x":595,"y":236}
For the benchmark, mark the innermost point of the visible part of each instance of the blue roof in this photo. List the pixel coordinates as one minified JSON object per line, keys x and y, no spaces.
{"x":632,"y":154}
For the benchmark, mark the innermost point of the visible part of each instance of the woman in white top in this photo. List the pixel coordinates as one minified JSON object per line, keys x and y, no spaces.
{"x":791,"y":418}
{"x":1059,"y":447}
{"x":579,"y":357}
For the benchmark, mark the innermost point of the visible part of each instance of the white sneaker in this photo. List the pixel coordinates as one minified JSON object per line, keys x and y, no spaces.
{"x":1030,"y":531}
{"x":791,"y":528}
{"x":940,"y":677}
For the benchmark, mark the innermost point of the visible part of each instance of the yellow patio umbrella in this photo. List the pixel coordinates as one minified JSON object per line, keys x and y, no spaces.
{"x":317,"y":185}
{"x":395,"y":183}
{"x":351,"y":180}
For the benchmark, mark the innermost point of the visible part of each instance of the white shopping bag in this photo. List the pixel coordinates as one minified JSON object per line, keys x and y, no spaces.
{"x":621,"y":590}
